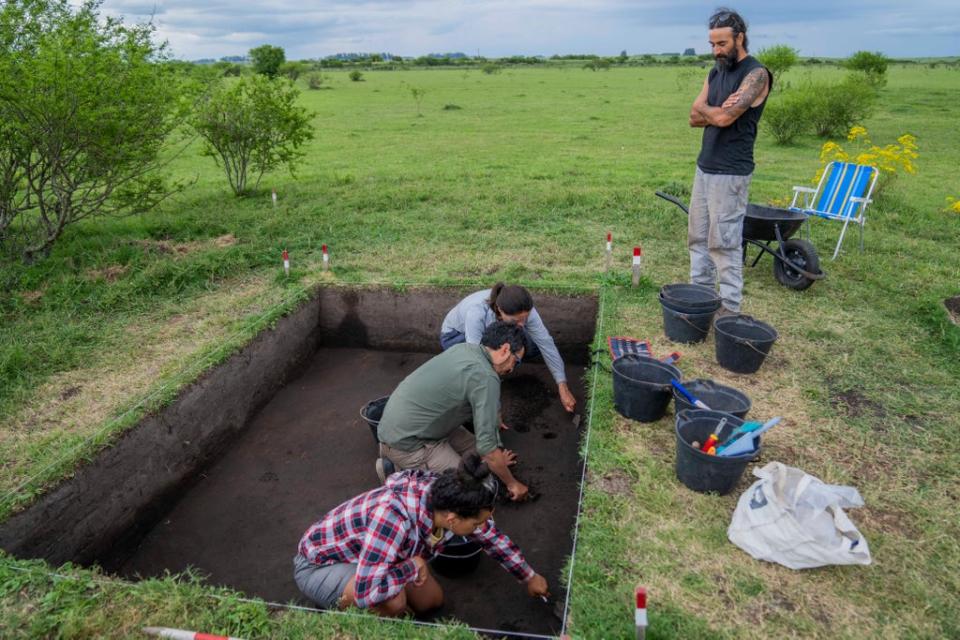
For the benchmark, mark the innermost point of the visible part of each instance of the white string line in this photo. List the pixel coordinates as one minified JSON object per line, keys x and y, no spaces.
{"x":11,"y":496}
{"x":280,"y":605}
{"x":566,"y":605}
{"x":583,"y":474}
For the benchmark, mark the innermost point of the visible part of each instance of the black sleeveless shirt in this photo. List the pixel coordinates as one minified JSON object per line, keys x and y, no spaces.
{"x":729,"y":150}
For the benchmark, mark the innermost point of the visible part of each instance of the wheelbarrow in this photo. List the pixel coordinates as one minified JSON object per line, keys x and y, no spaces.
{"x":795,"y":262}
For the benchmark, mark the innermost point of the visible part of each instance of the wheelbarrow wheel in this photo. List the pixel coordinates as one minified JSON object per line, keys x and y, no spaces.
{"x":804,"y":255}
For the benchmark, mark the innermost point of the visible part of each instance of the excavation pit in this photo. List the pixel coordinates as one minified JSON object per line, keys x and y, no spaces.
{"x":228,"y":477}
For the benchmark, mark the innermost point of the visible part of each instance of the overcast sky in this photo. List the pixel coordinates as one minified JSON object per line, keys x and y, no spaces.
{"x":830,"y":28}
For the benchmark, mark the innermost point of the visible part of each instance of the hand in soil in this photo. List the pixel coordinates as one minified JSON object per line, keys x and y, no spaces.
{"x":537,"y":587}
{"x":503,"y":426}
{"x":566,"y":398}
{"x":518,"y":491}
{"x":510,"y":456}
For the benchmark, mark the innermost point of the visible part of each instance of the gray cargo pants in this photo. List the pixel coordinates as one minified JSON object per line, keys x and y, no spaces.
{"x":718,"y":205}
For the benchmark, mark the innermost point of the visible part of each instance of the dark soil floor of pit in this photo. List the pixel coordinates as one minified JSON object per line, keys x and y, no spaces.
{"x":308,"y":450}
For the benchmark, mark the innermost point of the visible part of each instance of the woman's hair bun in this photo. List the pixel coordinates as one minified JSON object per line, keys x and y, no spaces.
{"x":475,"y":467}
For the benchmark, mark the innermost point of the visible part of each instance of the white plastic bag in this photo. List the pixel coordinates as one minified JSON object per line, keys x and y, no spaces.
{"x":794,"y":519}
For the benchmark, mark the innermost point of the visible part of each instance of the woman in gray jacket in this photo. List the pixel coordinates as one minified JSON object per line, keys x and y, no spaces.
{"x":514,"y":304}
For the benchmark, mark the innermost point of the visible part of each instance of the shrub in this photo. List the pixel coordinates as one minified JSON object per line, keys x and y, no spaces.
{"x":452,"y":107}
{"x":786,"y":116}
{"x":315,"y":81}
{"x":490,"y":68}
{"x":252,"y":126}
{"x":833,"y":109}
{"x":356,"y":76}
{"x":600,"y":64}
{"x":778,"y":58}
{"x":418,"y":93}
{"x":86,"y":107}
{"x":872,"y":65}
{"x":291,"y":70}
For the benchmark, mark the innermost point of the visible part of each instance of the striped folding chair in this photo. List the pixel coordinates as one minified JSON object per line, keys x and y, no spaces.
{"x":843,"y":194}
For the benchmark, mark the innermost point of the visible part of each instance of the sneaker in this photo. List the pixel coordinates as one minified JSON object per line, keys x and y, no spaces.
{"x":384,"y":468}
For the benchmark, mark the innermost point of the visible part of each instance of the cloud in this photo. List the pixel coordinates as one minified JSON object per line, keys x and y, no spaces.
{"x":528,"y":27}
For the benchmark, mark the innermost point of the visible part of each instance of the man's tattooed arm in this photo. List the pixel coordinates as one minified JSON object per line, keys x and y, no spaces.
{"x":753,"y":87}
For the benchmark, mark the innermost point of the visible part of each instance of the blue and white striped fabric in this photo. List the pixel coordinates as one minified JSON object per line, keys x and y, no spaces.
{"x":843,"y":181}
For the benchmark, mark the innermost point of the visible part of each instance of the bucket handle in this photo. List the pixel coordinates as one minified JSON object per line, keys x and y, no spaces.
{"x":684,"y":317}
{"x":749,"y":344}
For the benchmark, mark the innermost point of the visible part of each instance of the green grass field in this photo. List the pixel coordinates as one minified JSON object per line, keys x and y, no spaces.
{"x":521,"y":183}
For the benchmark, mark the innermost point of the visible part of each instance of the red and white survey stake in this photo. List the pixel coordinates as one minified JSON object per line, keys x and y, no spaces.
{"x":286,"y":262}
{"x":640,"y":617}
{"x":608,"y":260}
{"x":326,"y":258}
{"x":637,"y":257}
{"x":183,"y":634}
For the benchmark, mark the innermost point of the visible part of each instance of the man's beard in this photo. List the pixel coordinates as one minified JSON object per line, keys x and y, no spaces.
{"x":725,"y":62}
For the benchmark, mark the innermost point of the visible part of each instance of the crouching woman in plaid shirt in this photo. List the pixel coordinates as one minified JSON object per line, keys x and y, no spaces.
{"x":372,"y":550}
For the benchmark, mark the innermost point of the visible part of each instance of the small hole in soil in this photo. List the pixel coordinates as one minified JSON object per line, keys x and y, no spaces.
{"x":549,"y":435}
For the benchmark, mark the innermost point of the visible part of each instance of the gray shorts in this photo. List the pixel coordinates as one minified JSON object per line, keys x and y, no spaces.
{"x":323,"y":585}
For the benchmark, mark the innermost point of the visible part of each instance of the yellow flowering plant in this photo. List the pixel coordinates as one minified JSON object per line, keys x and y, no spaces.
{"x":953,"y":205}
{"x":891,"y":159}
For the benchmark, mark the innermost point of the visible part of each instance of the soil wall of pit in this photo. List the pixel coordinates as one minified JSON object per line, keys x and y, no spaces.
{"x":113,"y":500}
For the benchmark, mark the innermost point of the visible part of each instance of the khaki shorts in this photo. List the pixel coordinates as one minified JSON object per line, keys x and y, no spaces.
{"x":435,"y":456}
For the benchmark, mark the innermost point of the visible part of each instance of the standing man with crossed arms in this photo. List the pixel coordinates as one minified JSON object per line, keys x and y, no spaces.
{"x":728,"y":108}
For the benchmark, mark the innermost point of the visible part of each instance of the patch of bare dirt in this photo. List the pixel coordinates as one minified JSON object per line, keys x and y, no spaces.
{"x":953,"y":308}
{"x":163,"y":246}
{"x":856,"y":405}
{"x":31,"y":297}
{"x":110,"y":274}
{"x":769,"y":604}
{"x":227,"y":240}
{"x":69,"y":392}
{"x":615,"y":482}
{"x":891,"y":521}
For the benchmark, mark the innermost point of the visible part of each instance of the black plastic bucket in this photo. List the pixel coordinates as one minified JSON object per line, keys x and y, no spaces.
{"x":742,"y":342}
{"x":371,"y":414}
{"x":698,"y":470}
{"x":641,"y":387}
{"x":715,"y":395}
{"x":459,"y":557}
{"x":686,"y":327}
{"x":689,"y":298}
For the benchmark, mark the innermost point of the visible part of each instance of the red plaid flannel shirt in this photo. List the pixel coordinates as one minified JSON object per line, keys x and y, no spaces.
{"x":382,"y":530}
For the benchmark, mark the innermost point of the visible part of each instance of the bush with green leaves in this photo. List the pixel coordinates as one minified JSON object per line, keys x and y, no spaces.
{"x":491,"y":68}
{"x":267,"y":59}
{"x":600,"y":64}
{"x":418,"y":93}
{"x":356,"y":76}
{"x":291,"y":70}
{"x":315,"y":81}
{"x":872,"y":64}
{"x":834,"y":108}
{"x":778,"y":59}
{"x":252,"y":126}
{"x":86,"y":108}
{"x":786,"y":116}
